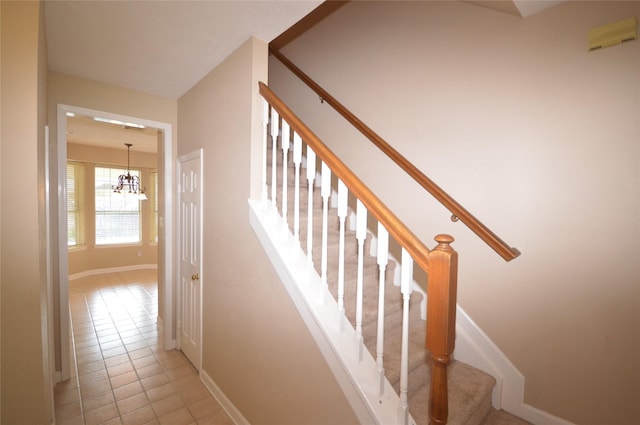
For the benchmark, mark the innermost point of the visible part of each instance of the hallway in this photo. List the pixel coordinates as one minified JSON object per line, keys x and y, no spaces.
{"x":122,"y":374}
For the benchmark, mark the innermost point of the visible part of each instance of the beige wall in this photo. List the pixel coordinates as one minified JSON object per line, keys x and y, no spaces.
{"x":26,"y":382}
{"x":88,"y":256}
{"x":537,"y":137}
{"x":256,"y":347}
{"x":84,"y":93}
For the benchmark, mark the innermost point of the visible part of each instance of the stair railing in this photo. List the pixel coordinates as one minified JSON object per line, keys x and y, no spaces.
{"x":440,"y":263}
{"x":458,"y":212}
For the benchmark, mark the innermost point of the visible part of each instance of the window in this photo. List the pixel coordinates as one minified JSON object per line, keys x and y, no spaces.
{"x":117,"y":214}
{"x":75,"y":181}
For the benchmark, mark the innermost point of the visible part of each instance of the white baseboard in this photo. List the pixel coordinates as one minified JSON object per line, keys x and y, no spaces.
{"x":222,"y":399}
{"x":112,"y":270}
{"x":537,"y":416}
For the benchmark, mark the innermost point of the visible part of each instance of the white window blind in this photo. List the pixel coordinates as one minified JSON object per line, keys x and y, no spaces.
{"x":117,"y":214}
{"x":75,"y":183}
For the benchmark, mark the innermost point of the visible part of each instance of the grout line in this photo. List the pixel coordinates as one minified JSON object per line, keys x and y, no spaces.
{"x":75,"y":364}
{"x":122,"y":307}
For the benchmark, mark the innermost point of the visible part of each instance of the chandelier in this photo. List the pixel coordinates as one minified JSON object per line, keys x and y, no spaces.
{"x":128,"y":183}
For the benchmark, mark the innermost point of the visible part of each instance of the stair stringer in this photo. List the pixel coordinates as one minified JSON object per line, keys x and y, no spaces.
{"x":319,"y":310}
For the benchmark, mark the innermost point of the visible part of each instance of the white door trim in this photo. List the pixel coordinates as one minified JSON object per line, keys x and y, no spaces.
{"x":166,"y":225}
{"x":197,"y":154}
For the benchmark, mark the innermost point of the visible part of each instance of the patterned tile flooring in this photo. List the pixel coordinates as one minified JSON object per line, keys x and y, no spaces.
{"x":122,"y":375}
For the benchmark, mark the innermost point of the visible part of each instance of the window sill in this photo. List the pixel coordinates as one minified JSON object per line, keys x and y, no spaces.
{"x":119,"y":245}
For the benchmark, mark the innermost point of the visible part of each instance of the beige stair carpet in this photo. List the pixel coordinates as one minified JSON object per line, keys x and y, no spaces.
{"x":470,"y":389}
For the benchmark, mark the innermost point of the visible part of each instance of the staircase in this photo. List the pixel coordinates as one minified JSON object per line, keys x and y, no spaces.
{"x":331,"y":233}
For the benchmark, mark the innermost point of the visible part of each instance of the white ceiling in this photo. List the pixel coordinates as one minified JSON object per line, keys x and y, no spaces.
{"x":521,"y":8}
{"x":164,"y":47}
{"x":85,"y":130}
{"x":531,"y":7}
{"x":158,"y":47}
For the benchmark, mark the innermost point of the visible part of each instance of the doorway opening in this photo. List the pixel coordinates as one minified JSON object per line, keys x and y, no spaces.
{"x":164,"y":222}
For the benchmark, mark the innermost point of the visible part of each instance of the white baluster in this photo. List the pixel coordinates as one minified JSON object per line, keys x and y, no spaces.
{"x":405,"y":287}
{"x":285,"y":141}
{"x":311,"y":175}
{"x":297,"y":160}
{"x":275,"y":128}
{"x":325,"y":191}
{"x":343,"y":196}
{"x":361,"y":235}
{"x":383,"y":259}
{"x":265,"y":136}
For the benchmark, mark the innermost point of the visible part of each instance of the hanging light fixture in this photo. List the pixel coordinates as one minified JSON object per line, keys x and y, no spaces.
{"x":128,"y":183}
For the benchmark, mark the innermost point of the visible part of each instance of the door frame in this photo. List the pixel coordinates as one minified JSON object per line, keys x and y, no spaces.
{"x":196,"y":154}
{"x":166,"y":228}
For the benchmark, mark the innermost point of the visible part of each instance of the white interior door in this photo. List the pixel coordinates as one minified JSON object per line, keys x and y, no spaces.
{"x":190,"y":252}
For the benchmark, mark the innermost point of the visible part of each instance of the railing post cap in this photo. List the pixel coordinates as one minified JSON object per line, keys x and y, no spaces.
{"x":444,"y":239}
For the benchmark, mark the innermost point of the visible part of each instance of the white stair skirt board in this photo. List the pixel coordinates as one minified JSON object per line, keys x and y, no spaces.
{"x":222,"y":399}
{"x":112,"y":270}
{"x":473,"y":346}
{"x":319,"y":311}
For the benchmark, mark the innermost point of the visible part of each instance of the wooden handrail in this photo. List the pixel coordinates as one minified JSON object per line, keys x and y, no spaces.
{"x":392,"y":223}
{"x":458,"y":211}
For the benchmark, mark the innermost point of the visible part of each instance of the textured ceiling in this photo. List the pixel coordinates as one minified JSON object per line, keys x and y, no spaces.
{"x":522,"y":8}
{"x":85,"y":130}
{"x":158,"y":47}
{"x":165,"y":47}
{"x":531,"y":7}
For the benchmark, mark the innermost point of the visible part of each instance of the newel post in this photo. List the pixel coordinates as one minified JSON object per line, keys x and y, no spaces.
{"x":441,"y":323}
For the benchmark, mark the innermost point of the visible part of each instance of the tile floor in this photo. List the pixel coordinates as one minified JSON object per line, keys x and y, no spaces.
{"x":122,"y":373}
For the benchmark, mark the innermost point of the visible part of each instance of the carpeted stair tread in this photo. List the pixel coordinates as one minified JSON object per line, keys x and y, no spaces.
{"x":469,"y":395}
{"x":470,"y":390}
{"x":500,"y":417}
{"x":418,"y":362}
